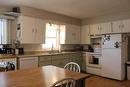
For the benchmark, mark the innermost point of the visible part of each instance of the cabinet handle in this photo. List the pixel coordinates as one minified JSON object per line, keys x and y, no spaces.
{"x":20,"y":34}
{"x":36,"y":30}
{"x":120,"y":26}
{"x":98,"y":28}
{"x":32,"y":30}
{"x":123,"y":25}
{"x":88,"y":34}
{"x":111,"y":27}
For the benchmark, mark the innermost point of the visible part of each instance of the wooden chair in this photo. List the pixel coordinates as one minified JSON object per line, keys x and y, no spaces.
{"x":72,"y":66}
{"x":67,"y":82}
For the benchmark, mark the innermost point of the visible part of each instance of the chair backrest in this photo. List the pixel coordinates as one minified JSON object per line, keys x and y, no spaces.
{"x":67,"y":82}
{"x":72,"y":66}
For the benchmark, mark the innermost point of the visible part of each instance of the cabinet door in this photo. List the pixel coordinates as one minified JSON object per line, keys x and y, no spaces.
{"x":126,"y":26}
{"x":95,"y":29}
{"x":84,"y":62}
{"x":28,"y":62}
{"x":76,"y":58}
{"x":44,"y":63}
{"x":116,"y":27}
{"x":60,"y":60}
{"x":40,"y":31}
{"x":105,"y":28}
{"x":85,"y":34}
{"x":60,"y":63}
{"x":72,"y":34}
{"x":44,"y":60}
{"x":27,"y":29}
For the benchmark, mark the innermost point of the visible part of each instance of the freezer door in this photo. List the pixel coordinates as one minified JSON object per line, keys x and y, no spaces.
{"x":111,"y":63}
{"x":111,"y":41}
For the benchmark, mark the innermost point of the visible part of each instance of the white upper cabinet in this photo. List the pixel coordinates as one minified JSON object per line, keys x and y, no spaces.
{"x":121,"y":26}
{"x":95,"y":29}
{"x":116,"y":27}
{"x":40,"y":31}
{"x":27,"y":29}
{"x":72,"y":34}
{"x":32,"y":30}
{"x":105,"y":28}
{"x":85,"y":34}
{"x":126,"y":26}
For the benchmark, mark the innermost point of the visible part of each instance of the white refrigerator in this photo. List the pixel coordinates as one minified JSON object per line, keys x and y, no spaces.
{"x":113,"y":56}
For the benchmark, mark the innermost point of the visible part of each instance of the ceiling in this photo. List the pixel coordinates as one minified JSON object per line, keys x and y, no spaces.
{"x":74,"y":8}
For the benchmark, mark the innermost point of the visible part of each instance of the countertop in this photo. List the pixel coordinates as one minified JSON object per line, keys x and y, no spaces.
{"x":128,"y":62}
{"x":2,"y":56}
{"x":33,"y":54}
{"x":40,"y":77}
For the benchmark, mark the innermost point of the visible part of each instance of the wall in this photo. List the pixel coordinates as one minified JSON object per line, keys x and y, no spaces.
{"x":124,"y":14}
{"x":28,"y":11}
{"x":4,"y":9}
{"x":32,"y":47}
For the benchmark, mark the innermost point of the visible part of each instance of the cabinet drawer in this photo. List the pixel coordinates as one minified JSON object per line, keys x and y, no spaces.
{"x":44,"y":58}
{"x":44,"y":63}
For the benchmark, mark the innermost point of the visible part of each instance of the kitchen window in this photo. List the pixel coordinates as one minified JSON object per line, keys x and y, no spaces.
{"x":54,"y":36}
{"x":5,"y":31}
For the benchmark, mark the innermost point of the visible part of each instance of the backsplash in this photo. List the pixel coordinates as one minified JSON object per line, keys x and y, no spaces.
{"x":71,"y":47}
{"x":64,"y":47}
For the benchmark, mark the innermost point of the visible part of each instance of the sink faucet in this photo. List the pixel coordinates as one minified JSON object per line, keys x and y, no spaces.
{"x":52,"y":49}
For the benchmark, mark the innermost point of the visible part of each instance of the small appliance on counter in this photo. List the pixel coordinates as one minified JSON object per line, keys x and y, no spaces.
{"x":8,"y":65}
{"x":18,"y":51}
{"x":87,"y":48}
{"x":5,"y":49}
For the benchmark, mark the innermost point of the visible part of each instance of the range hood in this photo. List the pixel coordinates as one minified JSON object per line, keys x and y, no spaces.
{"x":15,"y":12}
{"x":12,"y":14}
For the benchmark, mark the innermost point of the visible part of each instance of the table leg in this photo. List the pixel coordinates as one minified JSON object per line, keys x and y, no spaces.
{"x":83,"y":83}
{"x":80,"y":83}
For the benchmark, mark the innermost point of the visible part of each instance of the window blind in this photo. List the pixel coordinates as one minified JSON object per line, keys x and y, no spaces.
{"x":5,"y":31}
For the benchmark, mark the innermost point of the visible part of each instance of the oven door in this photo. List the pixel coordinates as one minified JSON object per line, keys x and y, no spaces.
{"x":93,"y":60}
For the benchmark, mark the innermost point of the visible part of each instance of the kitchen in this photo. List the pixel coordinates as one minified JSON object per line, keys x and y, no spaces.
{"x":98,"y":44}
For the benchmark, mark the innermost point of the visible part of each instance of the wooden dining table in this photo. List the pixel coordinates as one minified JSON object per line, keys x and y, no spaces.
{"x":40,"y":77}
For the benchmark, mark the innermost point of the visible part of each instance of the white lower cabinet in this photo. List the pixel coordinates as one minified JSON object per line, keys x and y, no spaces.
{"x":28,"y":62}
{"x":128,"y":72}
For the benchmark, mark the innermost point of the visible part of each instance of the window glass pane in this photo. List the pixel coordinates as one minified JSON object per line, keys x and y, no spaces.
{"x":54,"y":35}
{"x":4,"y":31}
{"x":50,"y":42}
{"x":62,"y":34}
{"x":50,"y":31}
